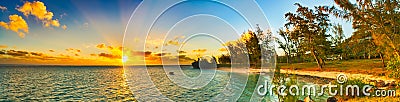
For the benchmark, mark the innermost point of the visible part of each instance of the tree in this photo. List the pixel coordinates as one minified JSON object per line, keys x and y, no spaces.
{"x":310,"y":27}
{"x":287,"y":45}
{"x":254,"y":45}
{"x":251,"y":41}
{"x":339,"y":35}
{"x":379,"y":18}
{"x":224,"y":59}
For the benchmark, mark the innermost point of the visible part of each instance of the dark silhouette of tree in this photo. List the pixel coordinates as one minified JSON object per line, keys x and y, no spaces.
{"x":224,"y":59}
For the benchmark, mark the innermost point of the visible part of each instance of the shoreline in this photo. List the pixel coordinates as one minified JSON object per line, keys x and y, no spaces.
{"x":320,"y":77}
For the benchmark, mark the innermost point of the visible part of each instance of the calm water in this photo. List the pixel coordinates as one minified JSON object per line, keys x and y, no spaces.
{"x":157,"y":84}
{"x":63,"y":84}
{"x":52,"y":83}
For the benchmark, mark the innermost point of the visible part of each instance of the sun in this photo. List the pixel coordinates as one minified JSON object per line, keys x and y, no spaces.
{"x":124,"y":59}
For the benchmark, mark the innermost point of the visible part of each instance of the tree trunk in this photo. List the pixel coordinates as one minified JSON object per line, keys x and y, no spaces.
{"x":382,"y":59}
{"x":287,"y":59}
{"x":322,"y":61}
{"x":316,"y":59}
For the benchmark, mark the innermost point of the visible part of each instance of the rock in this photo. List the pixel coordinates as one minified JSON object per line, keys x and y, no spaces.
{"x":331,"y":99}
{"x":171,"y":73}
{"x":393,"y":83}
{"x":381,"y":83}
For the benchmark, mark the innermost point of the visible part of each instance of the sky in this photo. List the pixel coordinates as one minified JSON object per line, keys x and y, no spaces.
{"x":91,"y":32}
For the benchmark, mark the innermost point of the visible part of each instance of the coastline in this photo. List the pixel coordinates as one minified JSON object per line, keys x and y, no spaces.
{"x":319,"y":77}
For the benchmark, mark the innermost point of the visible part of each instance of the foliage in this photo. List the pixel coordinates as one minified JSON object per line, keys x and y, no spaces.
{"x":224,"y":59}
{"x":288,"y":45}
{"x":394,"y":66}
{"x":377,"y":19}
{"x":309,"y":27}
{"x":253,"y":45}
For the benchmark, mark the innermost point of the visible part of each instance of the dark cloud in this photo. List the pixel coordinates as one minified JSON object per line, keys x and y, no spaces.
{"x":111,"y":56}
{"x":36,"y":54}
{"x":16,"y":53}
{"x":51,"y":50}
{"x":162,"y":54}
{"x":2,"y":52}
{"x":29,"y":55}
{"x":184,"y":58}
{"x":181,"y":52}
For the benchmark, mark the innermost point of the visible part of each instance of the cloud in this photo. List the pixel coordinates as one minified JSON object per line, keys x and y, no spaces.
{"x":141,"y":53}
{"x":29,"y":57}
{"x":16,"y":24}
{"x":51,"y":50}
{"x":172,"y":42}
{"x":184,"y":58}
{"x":3,"y":46}
{"x":175,"y":41}
{"x":162,"y":54}
{"x":2,"y":8}
{"x":181,"y":52}
{"x":64,"y":27}
{"x":111,"y":56}
{"x":100,"y":46}
{"x":109,"y":48}
{"x":39,"y":10}
{"x":16,"y":53}
{"x":113,"y":52}
{"x":199,"y":50}
{"x":72,"y":50}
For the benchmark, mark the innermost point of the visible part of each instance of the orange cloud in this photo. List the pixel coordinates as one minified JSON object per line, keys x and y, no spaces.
{"x":100,"y":46}
{"x":3,"y":46}
{"x":72,"y":50}
{"x":171,"y":42}
{"x":64,"y":27}
{"x":16,"y":24}
{"x":199,"y":50}
{"x":51,"y":50}
{"x":115,"y":52}
{"x":39,"y":10}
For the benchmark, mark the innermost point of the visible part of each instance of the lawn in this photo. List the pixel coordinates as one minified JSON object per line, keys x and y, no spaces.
{"x":361,"y":66}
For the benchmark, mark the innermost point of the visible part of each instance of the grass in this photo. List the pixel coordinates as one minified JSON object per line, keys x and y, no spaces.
{"x":362,"y":66}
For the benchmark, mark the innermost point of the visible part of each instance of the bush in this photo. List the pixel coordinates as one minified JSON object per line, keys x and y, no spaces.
{"x":394,"y":66}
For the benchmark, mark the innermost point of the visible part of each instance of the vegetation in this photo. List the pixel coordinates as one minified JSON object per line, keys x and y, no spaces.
{"x":253,"y":45}
{"x":376,"y":33}
{"x":309,"y":29}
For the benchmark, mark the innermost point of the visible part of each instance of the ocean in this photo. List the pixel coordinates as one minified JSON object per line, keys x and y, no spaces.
{"x":113,"y":83}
